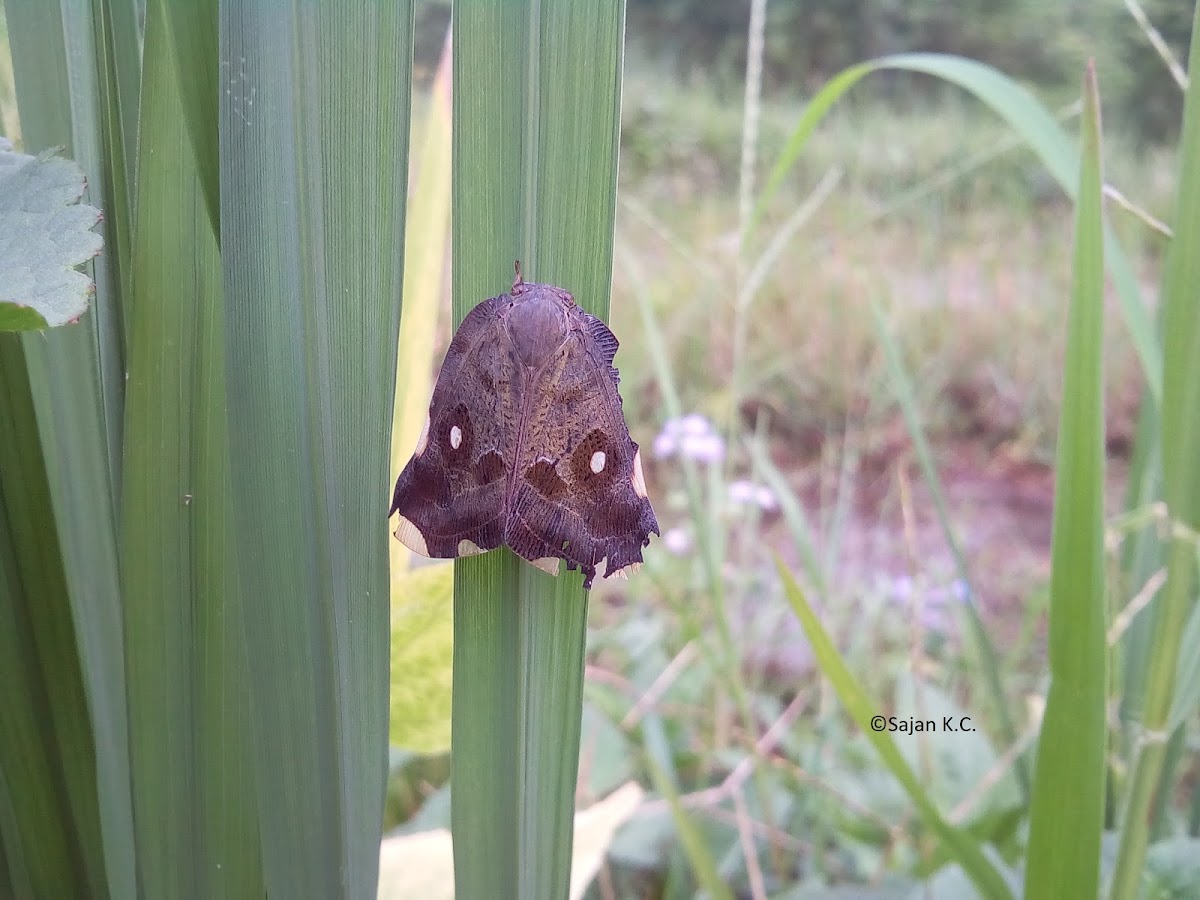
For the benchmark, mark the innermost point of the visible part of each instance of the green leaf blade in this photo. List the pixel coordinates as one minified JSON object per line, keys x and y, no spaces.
{"x":313,"y":162}
{"x":15,"y":317}
{"x":196,"y":810}
{"x":193,"y":28}
{"x":1066,"y":817}
{"x":76,"y":378}
{"x":534,"y":179}
{"x":49,"y":803}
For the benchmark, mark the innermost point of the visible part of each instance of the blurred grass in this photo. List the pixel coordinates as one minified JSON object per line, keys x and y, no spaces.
{"x":421,"y":654}
{"x":957,"y":844}
{"x":422,"y":600}
{"x":1180,"y":442}
{"x":985,"y":649}
{"x":975,"y":301}
{"x":963,"y":260}
{"x":426,"y":244}
{"x":10,"y":126}
{"x":972,"y":310}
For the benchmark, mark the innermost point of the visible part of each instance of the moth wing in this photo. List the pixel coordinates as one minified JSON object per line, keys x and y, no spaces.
{"x":450,"y":495}
{"x":578,"y":493}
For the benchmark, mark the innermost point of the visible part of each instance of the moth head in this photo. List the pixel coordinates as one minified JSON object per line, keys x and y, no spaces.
{"x":520,"y":286}
{"x":537,"y":323}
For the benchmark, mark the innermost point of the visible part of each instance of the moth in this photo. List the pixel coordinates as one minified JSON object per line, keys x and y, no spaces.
{"x":526,"y":443}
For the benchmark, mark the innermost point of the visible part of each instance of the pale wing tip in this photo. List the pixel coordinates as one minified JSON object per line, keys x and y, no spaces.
{"x":624,"y":572}
{"x":410,"y":536}
{"x":548,"y":564}
{"x":423,"y":440}
{"x":637,"y":479}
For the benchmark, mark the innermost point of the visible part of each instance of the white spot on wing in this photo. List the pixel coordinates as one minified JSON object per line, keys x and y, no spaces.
{"x":548,"y":564}
{"x":423,"y":440}
{"x":455,"y":437}
{"x":410,"y":536}
{"x":638,"y":479}
{"x":469,"y":548}
{"x":597,"y":463}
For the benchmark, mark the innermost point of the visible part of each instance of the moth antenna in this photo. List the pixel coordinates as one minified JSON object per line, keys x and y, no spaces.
{"x":518,"y":280}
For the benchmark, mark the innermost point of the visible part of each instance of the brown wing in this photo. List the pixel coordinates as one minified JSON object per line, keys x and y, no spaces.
{"x":451,"y":494}
{"x":577,"y":491}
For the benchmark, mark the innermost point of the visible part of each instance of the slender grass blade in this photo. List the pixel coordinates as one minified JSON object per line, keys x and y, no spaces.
{"x":1032,"y":122}
{"x":193,"y":28}
{"x":1067,"y":810}
{"x":704,"y":867}
{"x":957,"y":844}
{"x":1180,"y":426}
{"x":901,"y":383}
{"x":49,"y":808}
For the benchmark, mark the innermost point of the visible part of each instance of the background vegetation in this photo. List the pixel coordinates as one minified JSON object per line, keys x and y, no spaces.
{"x":937,"y":212}
{"x":857,"y":387}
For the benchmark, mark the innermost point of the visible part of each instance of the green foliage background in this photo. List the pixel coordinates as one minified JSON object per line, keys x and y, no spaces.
{"x":192,"y":481}
{"x":806,"y":43}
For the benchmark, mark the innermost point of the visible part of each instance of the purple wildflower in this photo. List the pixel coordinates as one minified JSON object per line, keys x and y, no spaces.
{"x":677,"y":541}
{"x":692,"y":437}
{"x":747,"y":493}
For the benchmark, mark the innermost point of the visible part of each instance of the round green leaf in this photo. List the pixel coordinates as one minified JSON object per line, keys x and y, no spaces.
{"x":45,"y":232}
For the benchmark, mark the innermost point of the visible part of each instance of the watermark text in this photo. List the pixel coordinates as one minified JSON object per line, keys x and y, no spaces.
{"x":913,"y":725}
